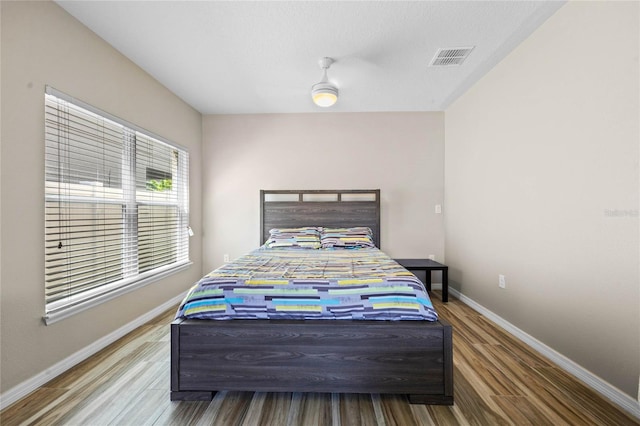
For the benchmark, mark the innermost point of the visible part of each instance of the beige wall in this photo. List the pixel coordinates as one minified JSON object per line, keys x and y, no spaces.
{"x":399,"y":153}
{"x":42,"y":44}
{"x":542,"y":185}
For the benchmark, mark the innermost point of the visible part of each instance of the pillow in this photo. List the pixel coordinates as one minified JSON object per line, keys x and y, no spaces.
{"x":305,"y":238}
{"x":347,"y":238}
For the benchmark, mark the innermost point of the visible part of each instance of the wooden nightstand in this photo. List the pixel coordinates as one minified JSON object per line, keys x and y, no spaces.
{"x":429,"y":265}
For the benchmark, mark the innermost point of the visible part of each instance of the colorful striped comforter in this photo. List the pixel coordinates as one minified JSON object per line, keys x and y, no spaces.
{"x":363,"y":284}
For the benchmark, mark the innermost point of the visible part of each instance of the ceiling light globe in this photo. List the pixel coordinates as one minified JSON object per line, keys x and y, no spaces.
{"x":324,"y":94}
{"x":324,"y":99}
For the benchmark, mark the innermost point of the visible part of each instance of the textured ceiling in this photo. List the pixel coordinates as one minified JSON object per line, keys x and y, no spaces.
{"x":262,"y":57}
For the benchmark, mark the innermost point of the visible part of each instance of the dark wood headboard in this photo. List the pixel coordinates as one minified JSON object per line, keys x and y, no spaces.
{"x":328,"y":208}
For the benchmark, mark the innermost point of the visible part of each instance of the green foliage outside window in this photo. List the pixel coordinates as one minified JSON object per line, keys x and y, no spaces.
{"x":159,"y":184}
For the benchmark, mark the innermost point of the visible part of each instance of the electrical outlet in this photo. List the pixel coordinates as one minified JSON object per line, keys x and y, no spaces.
{"x":502,"y":283}
{"x":438,"y":208}
{"x":226,"y":258}
{"x":432,"y":256}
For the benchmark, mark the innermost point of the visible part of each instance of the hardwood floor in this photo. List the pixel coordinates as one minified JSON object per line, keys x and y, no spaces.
{"x":498,"y":381}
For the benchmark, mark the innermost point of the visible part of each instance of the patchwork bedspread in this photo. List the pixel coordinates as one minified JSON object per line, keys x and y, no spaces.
{"x":363,"y":284}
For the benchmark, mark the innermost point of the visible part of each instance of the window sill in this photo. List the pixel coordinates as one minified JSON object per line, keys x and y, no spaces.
{"x":82,"y":305}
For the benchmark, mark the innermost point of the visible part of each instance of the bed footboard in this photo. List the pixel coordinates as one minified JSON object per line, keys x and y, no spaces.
{"x":399,"y":357}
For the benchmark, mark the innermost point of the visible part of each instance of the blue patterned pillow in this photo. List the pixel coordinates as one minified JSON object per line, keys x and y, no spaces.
{"x":347,"y":238}
{"x":306,"y":237}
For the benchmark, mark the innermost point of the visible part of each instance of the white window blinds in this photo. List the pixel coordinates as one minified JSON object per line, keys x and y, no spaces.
{"x":116,"y":206}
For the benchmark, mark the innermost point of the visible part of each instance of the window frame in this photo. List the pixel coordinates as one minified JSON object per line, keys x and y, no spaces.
{"x":59,"y":309}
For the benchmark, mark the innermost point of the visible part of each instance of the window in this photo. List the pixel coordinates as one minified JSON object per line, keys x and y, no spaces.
{"x":116,"y":206}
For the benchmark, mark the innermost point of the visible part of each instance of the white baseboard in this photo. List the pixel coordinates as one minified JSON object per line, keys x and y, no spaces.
{"x":30,"y":385}
{"x":599,"y":385}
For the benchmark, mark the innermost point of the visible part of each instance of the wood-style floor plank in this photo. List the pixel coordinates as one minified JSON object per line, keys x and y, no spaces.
{"x":521,"y":411}
{"x":356,"y":410}
{"x":395,"y":411}
{"x":275,"y":410}
{"x":497,"y":381}
{"x":315,"y":409}
{"x":468,"y":393}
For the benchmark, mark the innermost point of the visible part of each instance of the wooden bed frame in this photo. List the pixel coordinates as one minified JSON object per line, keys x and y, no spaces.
{"x":341,"y":356}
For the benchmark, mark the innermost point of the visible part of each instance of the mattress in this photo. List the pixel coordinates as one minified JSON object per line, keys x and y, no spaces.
{"x":360,"y":284}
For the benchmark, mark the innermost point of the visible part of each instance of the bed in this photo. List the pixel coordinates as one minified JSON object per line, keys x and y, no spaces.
{"x":289,"y":354}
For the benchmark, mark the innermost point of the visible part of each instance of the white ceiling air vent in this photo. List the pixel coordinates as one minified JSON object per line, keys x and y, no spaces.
{"x":450,"y":56}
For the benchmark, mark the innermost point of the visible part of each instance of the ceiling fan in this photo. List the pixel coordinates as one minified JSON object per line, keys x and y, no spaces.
{"x":324,"y":93}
